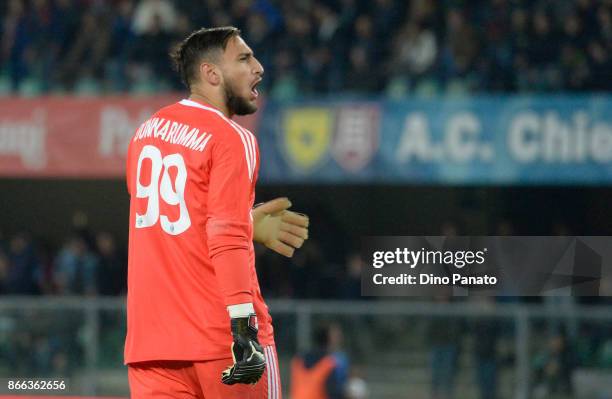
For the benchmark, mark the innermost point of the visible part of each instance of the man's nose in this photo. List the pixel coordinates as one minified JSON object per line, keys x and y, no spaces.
{"x":259,"y":69}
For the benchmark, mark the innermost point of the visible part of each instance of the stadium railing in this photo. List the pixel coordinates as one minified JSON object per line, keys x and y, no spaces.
{"x":82,"y":338}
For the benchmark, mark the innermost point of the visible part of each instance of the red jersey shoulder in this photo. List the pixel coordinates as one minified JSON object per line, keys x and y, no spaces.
{"x":241,"y":144}
{"x":227,"y":135}
{"x":206,"y":117}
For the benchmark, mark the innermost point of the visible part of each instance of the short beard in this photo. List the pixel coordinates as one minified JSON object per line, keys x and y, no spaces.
{"x":237,"y":105}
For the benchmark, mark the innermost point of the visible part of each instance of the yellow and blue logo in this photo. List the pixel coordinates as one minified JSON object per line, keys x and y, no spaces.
{"x":307,"y":136}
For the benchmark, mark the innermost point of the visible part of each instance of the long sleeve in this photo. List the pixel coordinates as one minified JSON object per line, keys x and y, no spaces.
{"x":229,"y":219}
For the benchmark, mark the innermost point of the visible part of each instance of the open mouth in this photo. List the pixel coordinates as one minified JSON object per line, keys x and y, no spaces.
{"x":254,"y":92}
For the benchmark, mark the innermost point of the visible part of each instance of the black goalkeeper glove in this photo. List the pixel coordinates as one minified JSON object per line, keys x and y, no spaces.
{"x":249,"y":360}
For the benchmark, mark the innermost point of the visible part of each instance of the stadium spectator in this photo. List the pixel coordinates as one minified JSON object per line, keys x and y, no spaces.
{"x":460,"y":53}
{"x":16,"y":38}
{"x":274,"y":274}
{"x":600,"y":65}
{"x":81,"y":228}
{"x":24,"y":266}
{"x":83,"y":66}
{"x":121,"y":42}
{"x":486,"y":333}
{"x":350,"y":281}
{"x":415,"y":50}
{"x":309,"y":272}
{"x":76,"y":269}
{"x":554,"y":367}
{"x":152,"y":15}
{"x":150,"y":51}
{"x":323,"y":372}
{"x":444,"y":335}
{"x":386,"y":16}
{"x":284,"y":78}
{"x":360,"y":77}
{"x":45,"y":43}
{"x":111,"y":270}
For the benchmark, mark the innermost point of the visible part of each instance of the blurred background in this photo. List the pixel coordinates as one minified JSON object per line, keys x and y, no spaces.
{"x":380,"y":117}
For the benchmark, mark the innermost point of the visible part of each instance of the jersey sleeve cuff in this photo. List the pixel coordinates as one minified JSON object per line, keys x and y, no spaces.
{"x":241,"y":310}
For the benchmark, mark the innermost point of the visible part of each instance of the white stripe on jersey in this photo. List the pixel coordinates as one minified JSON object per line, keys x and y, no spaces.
{"x":251,"y":140}
{"x":268,"y":371}
{"x":273,"y":389}
{"x":248,"y":139}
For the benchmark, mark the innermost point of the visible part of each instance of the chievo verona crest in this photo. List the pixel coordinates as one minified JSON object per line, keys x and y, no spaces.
{"x":356,"y":136}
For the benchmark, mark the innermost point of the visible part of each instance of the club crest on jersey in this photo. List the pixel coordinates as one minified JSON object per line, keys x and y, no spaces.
{"x":356,"y":137}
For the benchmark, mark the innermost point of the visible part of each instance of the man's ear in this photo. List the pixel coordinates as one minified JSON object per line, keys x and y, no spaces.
{"x":210,"y":73}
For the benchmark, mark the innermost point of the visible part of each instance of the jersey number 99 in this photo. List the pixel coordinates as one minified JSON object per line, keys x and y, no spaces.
{"x":164,"y":189}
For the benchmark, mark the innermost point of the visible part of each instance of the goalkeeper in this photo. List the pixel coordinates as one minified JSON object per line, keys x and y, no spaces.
{"x":198,"y":326}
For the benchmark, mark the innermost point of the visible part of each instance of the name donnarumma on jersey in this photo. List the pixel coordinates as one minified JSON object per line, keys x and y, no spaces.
{"x":173,"y":132}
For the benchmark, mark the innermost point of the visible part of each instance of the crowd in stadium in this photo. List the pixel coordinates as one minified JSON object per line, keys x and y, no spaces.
{"x":94,"y":263}
{"x":84,"y":265}
{"x":91,"y":263}
{"x":396,"y":47}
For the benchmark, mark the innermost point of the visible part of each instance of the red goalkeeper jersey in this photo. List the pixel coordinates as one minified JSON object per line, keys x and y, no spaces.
{"x":191,"y":176}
